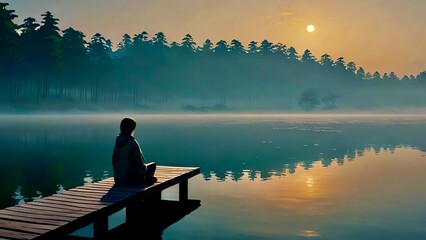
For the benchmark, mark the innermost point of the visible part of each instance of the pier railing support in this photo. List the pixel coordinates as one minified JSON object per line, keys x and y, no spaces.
{"x":183,"y":191}
{"x":100,"y":228}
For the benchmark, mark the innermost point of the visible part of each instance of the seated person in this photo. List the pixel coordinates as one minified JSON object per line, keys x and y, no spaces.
{"x":127,"y":159}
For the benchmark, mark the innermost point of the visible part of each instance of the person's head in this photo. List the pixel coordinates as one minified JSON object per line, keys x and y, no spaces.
{"x":127,"y":126}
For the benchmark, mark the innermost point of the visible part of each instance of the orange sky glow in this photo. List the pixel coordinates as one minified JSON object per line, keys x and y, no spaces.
{"x":379,"y":35}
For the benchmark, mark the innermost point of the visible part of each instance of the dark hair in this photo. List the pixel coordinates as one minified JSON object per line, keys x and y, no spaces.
{"x":127,"y":126}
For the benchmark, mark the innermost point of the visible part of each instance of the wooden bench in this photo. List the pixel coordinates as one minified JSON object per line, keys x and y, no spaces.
{"x":57,"y":216}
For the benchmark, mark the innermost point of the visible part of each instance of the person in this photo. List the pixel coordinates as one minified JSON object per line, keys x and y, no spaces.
{"x":128,"y":161}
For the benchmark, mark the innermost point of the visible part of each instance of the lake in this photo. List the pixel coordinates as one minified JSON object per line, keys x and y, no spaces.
{"x":262,"y":176}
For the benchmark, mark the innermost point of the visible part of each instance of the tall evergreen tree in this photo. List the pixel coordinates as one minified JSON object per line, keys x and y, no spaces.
{"x":292,"y":54}
{"x":29,"y":36}
{"x":351,"y":67}
{"x":279,"y":49}
{"x":98,"y":49}
{"x":405,"y":78}
{"x":73,"y":46}
{"x":8,"y":38}
{"x":221,"y":47}
{"x":174,"y":46}
{"x":74,"y":58}
{"x":126,"y":42}
{"x":265,"y":47}
{"x":376,"y":76}
{"x":385,"y":76}
{"x":253,"y":48}
{"x":160,"y":42}
{"x":340,"y":64}
{"x":361,"y":73}
{"x":29,"y":26}
{"x":393,"y":77}
{"x":237,"y":47}
{"x":207,"y":46}
{"x":420,"y":77}
{"x":50,"y":43}
{"x":50,"y":48}
{"x":326,"y":61}
{"x":368,"y":76}
{"x":188,"y":43}
{"x":307,"y":57}
{"x":140,"y":44}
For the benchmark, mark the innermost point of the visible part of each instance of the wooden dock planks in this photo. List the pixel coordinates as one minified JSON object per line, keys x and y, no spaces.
{"x":63,"y":213}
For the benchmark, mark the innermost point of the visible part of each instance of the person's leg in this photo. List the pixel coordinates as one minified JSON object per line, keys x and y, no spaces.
{"x":151,"y":167}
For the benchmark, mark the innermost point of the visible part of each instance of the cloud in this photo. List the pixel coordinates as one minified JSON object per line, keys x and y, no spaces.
{"x":287,"y":13}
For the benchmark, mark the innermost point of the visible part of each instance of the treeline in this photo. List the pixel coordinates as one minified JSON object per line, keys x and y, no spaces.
{"x":41,"y":65}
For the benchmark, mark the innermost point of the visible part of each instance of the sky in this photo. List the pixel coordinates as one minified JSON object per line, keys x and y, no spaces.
{"x":378,"y":35}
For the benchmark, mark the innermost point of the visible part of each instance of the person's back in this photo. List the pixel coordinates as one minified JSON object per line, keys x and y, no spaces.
{"x":128,"y":160}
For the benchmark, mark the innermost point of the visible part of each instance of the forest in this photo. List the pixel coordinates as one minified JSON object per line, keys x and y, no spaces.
{"x":45,"y":68}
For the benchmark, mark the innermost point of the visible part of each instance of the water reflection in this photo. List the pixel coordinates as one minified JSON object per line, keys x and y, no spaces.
{"x":374,"y":196}
{"x":46,"y":153}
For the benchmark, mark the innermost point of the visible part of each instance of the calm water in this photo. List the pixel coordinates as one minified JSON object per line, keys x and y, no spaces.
{"x":263,"y":176}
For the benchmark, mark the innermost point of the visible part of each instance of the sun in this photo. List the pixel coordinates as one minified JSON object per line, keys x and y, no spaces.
{"x":310,"y":28}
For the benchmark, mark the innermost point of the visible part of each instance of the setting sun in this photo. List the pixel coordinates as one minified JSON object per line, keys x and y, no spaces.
{"x":310,"y":28}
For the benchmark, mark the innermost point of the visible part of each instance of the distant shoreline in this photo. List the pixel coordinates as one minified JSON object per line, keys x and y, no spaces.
{"x":246,"y":114}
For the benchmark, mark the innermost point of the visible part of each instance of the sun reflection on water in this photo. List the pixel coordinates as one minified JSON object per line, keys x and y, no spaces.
{"x":323,"y":201}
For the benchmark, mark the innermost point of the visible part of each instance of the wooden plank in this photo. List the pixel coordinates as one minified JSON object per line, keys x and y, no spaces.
{"x":26,"y":227}
{"x":70,"y":204}
{"x":112,"y":192}
{"x":50,"y":205}
{"x":101,"y":197}
{"x":107,"y":185}
{"x":32,"y":219}
{"x":78,"y":197}
{"x":80,"y":201}
{"x":55,"y":210}
{"x":127,"y":189}
{"x":43,"y":214}
{"x":177,"y":167}
{"x":86,"y":199}
{"x":105,"y":190}
{"x":17,"y":235}
{"x":86,"y":195}
{"x":171,"y":171}
{"x":93,"y":193}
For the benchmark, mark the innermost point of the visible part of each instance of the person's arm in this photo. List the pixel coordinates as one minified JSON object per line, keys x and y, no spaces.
{"x":138,"y":158}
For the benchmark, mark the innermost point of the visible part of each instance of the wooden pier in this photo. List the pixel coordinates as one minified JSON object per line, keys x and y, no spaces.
{"x":59,"y":215}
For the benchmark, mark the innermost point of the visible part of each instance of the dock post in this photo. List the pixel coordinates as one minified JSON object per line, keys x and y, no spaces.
{"x":134,"y":211}
{"x":155,"y":197}
{"x":183,"y":191}
{"x":100,"y":227}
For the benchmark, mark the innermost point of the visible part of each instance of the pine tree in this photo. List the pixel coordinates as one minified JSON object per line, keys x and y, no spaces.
{"x":253,"y":48}
{"x":9,"y":55}
{"x":237,"y":47}
{"x":188,"y":43}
